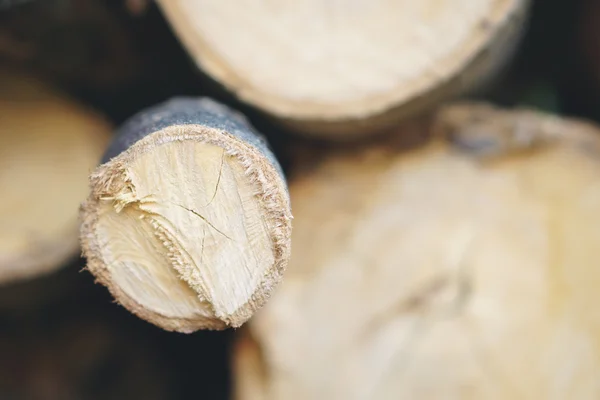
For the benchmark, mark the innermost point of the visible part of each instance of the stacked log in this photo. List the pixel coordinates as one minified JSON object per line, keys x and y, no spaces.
{"x":464,"y":267}
{"x":48,"y":145}
{"x":339,"y":69}
{"x":188,"y":219}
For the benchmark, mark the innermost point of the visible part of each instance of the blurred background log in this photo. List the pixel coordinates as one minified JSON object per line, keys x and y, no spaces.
{"x":464,"y":267}
{"x":48,"y":145}
{"x":341,"y":69}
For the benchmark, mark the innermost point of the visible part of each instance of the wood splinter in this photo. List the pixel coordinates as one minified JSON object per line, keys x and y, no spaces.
{"x":188,"y":221}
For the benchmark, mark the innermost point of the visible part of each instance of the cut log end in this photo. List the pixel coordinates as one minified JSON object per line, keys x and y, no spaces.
{"x":48,"y":145}
{"x":189,"y":228}
{"x":327,"y":67}
{"x":463,"y":268}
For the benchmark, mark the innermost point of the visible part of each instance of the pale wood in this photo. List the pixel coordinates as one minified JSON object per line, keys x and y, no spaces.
{"x":48,"y":145}
{"x":341,"y":68}
{"x":188,"y":220}
{"x":466,"y":268}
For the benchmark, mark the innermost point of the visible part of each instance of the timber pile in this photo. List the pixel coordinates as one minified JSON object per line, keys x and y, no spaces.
{"x":454,"y":256}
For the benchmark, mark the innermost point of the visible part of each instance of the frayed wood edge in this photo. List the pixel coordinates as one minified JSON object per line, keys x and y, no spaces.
{"x":273,"y":199}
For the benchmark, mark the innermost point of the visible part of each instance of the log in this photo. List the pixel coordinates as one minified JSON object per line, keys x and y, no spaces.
{"x":579,"y":82}
{"x":463,"y":268}
{"x":188,"y":220}
{"x":48,"y":145}
{"x":340,"y":69}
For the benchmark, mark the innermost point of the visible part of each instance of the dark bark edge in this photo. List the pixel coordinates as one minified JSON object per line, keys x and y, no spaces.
{"x":188,"y":111}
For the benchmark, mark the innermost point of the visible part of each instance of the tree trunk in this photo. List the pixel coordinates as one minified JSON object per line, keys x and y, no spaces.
{"x":466,"y":268}
{"x":48,"y":145}
{"x":188,"y":220}
{"x":340,"y":69}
